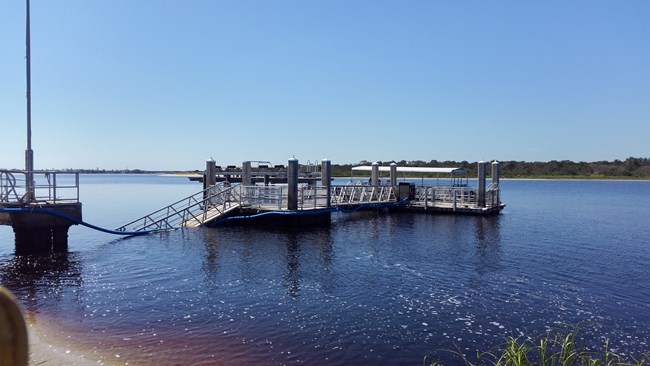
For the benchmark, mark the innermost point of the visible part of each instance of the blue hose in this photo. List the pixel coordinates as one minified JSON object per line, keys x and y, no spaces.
{"x":77,"y":221}
{"x":314,"y":212}
{"x":143,"y":232}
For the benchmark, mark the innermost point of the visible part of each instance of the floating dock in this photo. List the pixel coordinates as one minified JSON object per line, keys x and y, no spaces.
{"x":254,"y":198}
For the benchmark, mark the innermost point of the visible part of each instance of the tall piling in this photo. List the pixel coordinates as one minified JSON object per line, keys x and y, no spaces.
{"x":326,"y":179}
{"x":292,"y":183}
{"x":495,"y":172}
{"x":246,"y":174}
{"x":495,"y":183}
{"x":210,"y":177}
{"x":374,"y":175}
{"x":393,"y":174}
{"x":481,"y":183}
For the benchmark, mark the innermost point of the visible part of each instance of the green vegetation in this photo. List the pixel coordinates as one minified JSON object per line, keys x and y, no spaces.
{"x":559,"y":347}
{"x":630,"y":168}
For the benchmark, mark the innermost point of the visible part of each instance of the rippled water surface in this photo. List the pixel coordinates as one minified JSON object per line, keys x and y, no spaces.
{"x":372,"y":288}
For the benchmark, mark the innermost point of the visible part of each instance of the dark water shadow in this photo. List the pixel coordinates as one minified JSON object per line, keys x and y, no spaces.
{"x":40,"y":280}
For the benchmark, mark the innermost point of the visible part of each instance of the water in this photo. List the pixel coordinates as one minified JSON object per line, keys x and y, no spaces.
{"x":370,"y":289}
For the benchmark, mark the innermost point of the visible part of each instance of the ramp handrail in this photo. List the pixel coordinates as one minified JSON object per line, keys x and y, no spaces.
{"x":362,"y":194}
{"x":194,"y":207}
{"x":214,"y":201}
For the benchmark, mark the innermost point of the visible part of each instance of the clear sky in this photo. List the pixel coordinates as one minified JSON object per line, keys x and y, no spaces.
{"x":158,"y":84}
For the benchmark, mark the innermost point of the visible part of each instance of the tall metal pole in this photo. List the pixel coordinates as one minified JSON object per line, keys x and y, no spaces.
{"x":29,"y":154}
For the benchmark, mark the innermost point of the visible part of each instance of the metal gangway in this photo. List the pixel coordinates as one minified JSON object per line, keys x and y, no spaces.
{"x":220,"y":200}
{"x":195,"y":210}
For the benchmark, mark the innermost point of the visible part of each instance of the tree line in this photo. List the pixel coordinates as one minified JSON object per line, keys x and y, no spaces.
{"x":630,"y":168}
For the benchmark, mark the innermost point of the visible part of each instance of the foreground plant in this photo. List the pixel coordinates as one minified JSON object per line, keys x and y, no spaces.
{"x":557,"y":348}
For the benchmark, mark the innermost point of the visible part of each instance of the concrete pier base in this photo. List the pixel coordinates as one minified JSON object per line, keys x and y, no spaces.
{"x":36,"y":230}
{"x":36,"y":240}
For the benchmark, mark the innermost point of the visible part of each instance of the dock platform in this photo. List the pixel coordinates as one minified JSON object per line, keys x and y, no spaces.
{"x":294,"y":203}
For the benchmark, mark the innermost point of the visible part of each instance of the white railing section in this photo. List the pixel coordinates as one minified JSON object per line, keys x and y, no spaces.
{"x":315,"y":197}
{"x":49,"y":186}
{"x":455,"y":197}
{"x":312,"y":197}
{"x":492,"y":195}
{"x":362,"y":194}
{"x":265,"y":197}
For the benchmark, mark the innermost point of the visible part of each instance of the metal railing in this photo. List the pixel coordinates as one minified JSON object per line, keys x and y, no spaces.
{"x":455,"y":196}
{"x":265,"y":197}
{"x":362,"y":194}
{"x":49,"y":186}
{"x":213,"y":202}
{"x":194,"y":210}
{"x":313,"y":197}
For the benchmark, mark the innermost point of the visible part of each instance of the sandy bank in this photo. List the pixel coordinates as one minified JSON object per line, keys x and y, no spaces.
{"x":44,"y":352}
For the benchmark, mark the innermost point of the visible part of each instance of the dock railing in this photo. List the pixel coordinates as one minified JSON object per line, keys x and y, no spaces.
{"x":362,"y":194}
{"x":265,"y":197}
{"x":215,"y":201}
{"x":49,"y":187}
{"x":312,"y":197}
{"x":437,"y":196}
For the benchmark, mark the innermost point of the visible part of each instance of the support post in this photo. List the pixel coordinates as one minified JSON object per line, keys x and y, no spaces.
{"x":30,"y":191}
{"x":374,"y":175}
{"x":326,"y":179}
{"x":292,"y":184}
{"x":481,"y":183}
{"x":495,"y":182}
{"x":393,"y":174}
{"x":495,"y":172}
{"x":210,"y":177}
{"x":246,"y":174}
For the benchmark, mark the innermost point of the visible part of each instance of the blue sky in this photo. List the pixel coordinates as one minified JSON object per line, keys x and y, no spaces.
{"x":157,"y":84}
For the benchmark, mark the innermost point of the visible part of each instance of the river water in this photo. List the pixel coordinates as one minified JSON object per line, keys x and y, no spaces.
{"x":372,"y":288}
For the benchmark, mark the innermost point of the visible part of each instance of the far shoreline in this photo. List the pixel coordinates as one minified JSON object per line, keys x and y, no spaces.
{"x":532,"y":178}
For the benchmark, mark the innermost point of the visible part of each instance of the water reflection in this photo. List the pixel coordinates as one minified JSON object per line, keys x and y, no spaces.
{"x":292,"y":279}
{"x":487,"y":242}
{"x":211,"y":244}
{"x":38,"y":280}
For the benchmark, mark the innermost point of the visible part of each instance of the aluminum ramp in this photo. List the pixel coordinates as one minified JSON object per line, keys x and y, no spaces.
{"x":211,"y":214}
{"x":198,"y":209}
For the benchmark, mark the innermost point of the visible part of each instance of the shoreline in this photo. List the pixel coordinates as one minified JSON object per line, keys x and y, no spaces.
{"x":43,"y":351}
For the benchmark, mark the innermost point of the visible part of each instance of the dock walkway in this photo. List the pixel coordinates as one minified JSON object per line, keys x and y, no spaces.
{"x":224,"y":200}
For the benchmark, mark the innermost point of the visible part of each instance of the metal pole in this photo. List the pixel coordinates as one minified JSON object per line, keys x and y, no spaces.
{"x":29,"y":154}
